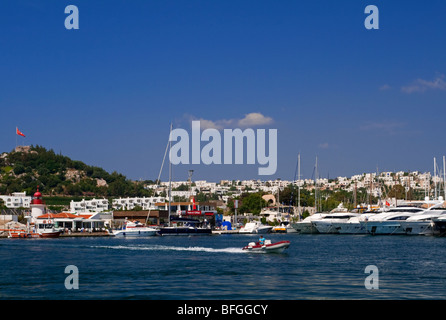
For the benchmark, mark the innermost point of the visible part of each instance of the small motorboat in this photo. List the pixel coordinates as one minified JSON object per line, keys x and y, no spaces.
{"x":276,"y":247}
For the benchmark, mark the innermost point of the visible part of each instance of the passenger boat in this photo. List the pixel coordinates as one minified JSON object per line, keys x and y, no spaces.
{"x":135,"y":228}
{"x":276,"y":247}
{"x":44,"y":229}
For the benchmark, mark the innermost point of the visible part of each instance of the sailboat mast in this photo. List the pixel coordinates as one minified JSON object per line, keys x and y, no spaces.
{"x":444,"y":178}
{"x":170,"y":172}
{"x":298,"y":184}
{"x":315,"y":187}
{"x":435,"y":177}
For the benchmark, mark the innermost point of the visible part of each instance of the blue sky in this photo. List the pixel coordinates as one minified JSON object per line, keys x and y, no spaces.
{"x":106,"y":93}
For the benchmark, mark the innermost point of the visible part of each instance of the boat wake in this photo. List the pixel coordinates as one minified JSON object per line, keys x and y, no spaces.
{"x":172,"y":248}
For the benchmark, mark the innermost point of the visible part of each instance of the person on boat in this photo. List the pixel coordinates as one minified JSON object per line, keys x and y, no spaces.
{"x":262,"y":240}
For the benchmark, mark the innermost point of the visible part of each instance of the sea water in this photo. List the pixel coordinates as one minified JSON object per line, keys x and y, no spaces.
{"x":216,"y":267}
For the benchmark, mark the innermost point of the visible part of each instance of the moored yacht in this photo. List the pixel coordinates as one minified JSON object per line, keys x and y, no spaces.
{"x":440,"y":225}
{"x":185,"y":227}
{"x":330,"y":222}
{"x":324,"y":224}
{"x":305,"y":226}
{"x":135,"y":229}
{"x":423,"y":224}
{"x":255,"y":227}
{"x":390,"y":222}
{"x":354,"y":225}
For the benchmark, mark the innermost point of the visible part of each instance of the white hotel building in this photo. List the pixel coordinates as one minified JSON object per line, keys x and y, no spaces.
{"x":17,"y":200}
{"x":130,"y":203}
{"x":101,"y":205}
{"x":93,"y":205}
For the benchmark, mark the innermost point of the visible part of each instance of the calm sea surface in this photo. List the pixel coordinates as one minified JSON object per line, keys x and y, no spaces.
{"x":215,"y":267}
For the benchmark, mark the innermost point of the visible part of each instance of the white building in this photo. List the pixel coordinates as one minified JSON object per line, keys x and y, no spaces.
{"x":130,"y":203}
{"x":17,"y":200}
{"x":94,"y":205}
{"x":184,"y":194}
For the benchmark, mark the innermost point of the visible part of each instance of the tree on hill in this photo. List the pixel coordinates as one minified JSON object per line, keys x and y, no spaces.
{"x":24,"y":171}
{"x":249,"y":203}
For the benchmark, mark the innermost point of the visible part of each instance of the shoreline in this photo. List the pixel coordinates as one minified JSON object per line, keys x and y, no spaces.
{"x":75,"y":235}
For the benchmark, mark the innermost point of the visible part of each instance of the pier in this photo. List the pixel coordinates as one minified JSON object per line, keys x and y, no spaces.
{"x":225,"y":231}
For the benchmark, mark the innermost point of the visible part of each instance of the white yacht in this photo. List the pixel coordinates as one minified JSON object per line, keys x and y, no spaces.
{"x":255,"y":227}
{"x":278,"y":213}
{"x":330,"y":222}
{"x":306,"y":226}
{"x":354,"y":225}
{"x":135,"y":228}
{"x":390,"y":222}
{"x":338,"y":215}
{"x":440,"y":225}
{"x":423,"y":224}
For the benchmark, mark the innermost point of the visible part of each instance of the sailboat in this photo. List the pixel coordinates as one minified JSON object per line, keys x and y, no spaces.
{"x":306,"y":225}
{"x":179,"y":226}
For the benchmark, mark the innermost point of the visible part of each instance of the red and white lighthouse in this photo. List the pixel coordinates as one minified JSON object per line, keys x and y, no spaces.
{"x":37,"y":205}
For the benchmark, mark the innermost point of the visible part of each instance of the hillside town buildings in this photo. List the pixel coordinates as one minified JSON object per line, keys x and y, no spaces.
{"x":374,"y":184}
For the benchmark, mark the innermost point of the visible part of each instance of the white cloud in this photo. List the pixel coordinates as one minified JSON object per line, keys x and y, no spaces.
{"x":253,"y":119}
{"x":324,"y":145}
{"x":421,"y":85}
{"x":383,"y":126}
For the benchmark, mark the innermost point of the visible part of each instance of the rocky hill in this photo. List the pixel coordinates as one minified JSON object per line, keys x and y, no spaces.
{"x":25,"y":168}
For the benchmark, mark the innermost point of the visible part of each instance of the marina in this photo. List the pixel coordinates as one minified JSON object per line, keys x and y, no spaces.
{"x":224,"y":152}
{"x":322,"y":266}
{"x":323,"y":256}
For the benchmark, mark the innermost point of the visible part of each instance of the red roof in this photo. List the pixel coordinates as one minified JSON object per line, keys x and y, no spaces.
{"x":57,"y":215}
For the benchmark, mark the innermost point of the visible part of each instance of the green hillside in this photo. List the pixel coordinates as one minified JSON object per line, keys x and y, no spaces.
{"x":28,"y":167}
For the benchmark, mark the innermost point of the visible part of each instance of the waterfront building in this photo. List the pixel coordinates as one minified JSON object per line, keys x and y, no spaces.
{"x":69,"y":222}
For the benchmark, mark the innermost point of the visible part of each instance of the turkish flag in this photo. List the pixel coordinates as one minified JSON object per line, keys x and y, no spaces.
{"x":19,"y":133}
{"x":194,"y":206}
{"x":387,"y":204}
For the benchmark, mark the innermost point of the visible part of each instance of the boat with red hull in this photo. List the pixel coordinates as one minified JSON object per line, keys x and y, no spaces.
{"x":276,"y":247}
{"x":25,"y":234}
